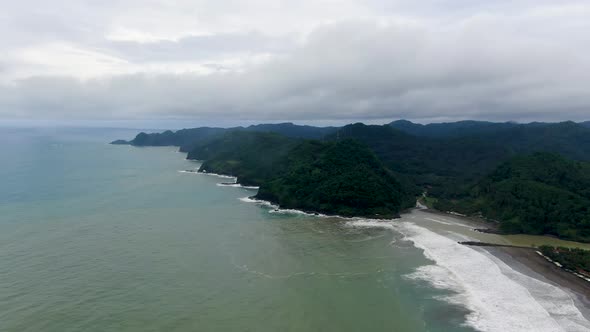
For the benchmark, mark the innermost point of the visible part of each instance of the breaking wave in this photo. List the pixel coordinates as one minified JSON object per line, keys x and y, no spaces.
{"x":498,"y":297}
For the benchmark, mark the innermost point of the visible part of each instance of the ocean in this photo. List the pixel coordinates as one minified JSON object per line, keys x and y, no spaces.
{"x":99,"y":237}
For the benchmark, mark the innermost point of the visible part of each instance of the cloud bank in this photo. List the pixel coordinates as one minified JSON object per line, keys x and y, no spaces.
{"x":513,"y":60}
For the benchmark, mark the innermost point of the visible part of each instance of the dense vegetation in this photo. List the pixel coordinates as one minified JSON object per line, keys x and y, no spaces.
{"x":450,"y":129}
{"x":250,"y":156}
{"x":473,"y":167}
{"x":446,"y":164}
{"x":570,"y":258}
{"x":540,"y":194}
{"x":343,"y":178}
{"x":442,"y":166}
{"x":188,"y":139}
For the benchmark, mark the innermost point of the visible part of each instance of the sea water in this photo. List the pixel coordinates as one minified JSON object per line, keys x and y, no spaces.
{"x":99,"y":237}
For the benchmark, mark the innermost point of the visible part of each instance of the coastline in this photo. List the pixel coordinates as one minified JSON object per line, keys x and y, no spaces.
{"x":528,"y":262}
{"x":529,"y":257}
{"x":523,"y":262}
{"x":500,"y":292}
{"x":511,"y":261}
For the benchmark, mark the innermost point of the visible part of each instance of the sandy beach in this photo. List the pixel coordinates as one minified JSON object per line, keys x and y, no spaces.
{"x":532,"y":264}
{"x":506,"y":288}
{"x":528,"y":261}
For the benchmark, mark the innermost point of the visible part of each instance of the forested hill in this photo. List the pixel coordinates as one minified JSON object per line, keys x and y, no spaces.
{"x":184,"y":138}
{"x":253,"y":157}
{"x":447,"y":164}
{"x":344,"y":178}
{"x":540,"y":193}
{"x":450,"y":129}
{"x":566,"y":138}
{"x":187,"y":139}
{"x":441,"y":165}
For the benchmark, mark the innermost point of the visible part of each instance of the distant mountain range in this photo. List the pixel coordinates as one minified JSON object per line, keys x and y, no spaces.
{"x":450,"y":129}
{"x":185,"y":137}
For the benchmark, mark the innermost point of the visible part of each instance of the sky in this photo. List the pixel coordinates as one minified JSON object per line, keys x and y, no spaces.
{"x":226,"y":62}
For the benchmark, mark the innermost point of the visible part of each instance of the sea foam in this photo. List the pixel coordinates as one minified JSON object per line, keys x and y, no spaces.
{"x":210,"y":174}
{"x":369,"y":223}
{"x":498,"y":297}
{"x":275,"y":209}
{"x":222,"y":184}
{"x":219,"y":175}
{"x":299,"y":212}
{"x":237,"y":185}
{"x":258,"y":201}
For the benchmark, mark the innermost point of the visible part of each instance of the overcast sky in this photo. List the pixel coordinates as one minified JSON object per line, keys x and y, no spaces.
{"x":308,"y":61}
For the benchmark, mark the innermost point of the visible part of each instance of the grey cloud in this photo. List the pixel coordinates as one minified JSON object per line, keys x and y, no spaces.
{"x":27,"y":22}
{"x":194,"y":48}
{"x":481,"y":68}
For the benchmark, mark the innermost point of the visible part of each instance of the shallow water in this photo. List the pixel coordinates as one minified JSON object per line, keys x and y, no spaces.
{"x":97,"y":237}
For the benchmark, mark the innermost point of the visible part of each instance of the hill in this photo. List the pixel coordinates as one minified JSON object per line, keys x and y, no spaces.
{"x":540,"y":193}
{"x":187,"y":139}
{"x":446,"y":165}
{"x":443,"y":165}
{"x":253,"y":157}
{"x":343,"y":178}
{"x":292,"y":130}
{"x":184,"y":138}
{"x":569,"y":139}
{"x":450,"y":129}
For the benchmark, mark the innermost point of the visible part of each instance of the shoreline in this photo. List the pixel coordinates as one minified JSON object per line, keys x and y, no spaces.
{"x":521,"y":260}
{"x":529,"y":257}
{"x":278,"y":209}
{"x":499,"y":290}
{"x":529,"y":263}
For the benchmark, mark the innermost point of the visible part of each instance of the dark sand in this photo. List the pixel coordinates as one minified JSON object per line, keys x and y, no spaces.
{"x":528,"y":262}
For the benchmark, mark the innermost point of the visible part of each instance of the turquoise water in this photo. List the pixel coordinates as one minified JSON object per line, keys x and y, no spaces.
{"x":96,"y":237}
